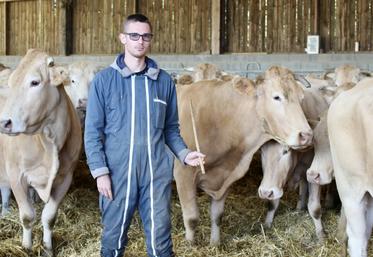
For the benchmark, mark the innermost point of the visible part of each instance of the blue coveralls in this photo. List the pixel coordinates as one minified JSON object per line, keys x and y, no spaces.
{"x":130,"y":120}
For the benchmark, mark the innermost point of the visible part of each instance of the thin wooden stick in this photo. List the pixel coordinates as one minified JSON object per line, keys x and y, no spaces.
{"x":195,"y":137}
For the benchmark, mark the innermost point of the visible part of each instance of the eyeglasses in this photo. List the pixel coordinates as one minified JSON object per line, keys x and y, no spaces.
{"x":147,"y":37}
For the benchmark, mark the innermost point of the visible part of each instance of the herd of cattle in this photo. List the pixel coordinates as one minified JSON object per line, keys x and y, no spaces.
{"x":309,"y":130}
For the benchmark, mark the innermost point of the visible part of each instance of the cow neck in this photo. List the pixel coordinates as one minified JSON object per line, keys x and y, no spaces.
{"x":56,"y":126}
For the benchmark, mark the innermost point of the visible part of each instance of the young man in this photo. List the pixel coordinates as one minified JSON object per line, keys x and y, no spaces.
{"x":131,"y":119}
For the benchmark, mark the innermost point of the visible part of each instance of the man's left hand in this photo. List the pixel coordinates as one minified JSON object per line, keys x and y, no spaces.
{"x":193,"y":158}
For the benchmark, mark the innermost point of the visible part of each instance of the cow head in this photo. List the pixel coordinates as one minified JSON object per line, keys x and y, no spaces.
{"x":346,"y":73}
{"x":33,"y":94}
{"x":81,"y":75}
{"x":278,"y":163}
{"x":278,"y":106}
{"x":321,"y":170}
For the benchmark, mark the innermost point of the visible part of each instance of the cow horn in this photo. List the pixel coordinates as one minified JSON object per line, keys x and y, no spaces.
{"x":50,"y":61}
{"x":302,"y":80}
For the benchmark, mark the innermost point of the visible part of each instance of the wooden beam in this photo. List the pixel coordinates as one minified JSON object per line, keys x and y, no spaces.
{"x":4,"y":1}
{"x":215,"y":27}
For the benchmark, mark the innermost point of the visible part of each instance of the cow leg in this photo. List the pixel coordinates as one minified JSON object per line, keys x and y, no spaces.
{"x":301,"y":204}
{"x":26,"y":213}
{"x":217,"y":209}
{"x":341,"y":233}
{"x":187,"y":191}
{"x":314,"y":209}
{"x":369,"y":217}
{"x":271,"y":211}
{"x":356,"y":227}
{"x":50,"y":209}
{"x":5,"y":197}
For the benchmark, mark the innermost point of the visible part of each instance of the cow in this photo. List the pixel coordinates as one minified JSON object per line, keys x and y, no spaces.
{"x":349,"y":121}
{"x":321,"y":168}
{"x":80,"y":76}
{"x":345,"y":74}
{"x":281,"y":165}
{"x":77,"y":86}
{"x":202,"y":71}
{"x":41,"y":140}
{"x":233,"y":120}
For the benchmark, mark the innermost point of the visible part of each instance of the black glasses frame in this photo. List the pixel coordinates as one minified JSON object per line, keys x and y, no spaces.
{"x":147,"y":37}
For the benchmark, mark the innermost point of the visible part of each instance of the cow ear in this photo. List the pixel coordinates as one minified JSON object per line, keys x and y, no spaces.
{"x":184,"y":79}
{"x":50,"y":61}
{"x":243,"y":85}
{"x":58,"y":75}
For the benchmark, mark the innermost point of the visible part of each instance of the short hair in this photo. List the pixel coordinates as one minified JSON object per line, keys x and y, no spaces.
{"x":137,"y":17}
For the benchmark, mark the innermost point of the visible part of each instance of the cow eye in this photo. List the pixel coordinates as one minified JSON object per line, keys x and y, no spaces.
{"x":277,"y":98}
{"x":284,"y":152}
{"x":73,"y":81}
{"x":35,"y":83}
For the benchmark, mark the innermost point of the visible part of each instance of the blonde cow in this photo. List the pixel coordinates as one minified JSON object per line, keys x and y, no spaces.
{"x":202,"y":71}
{"x":346,"y":73}
{"x":41,"y":140}
{"x":350,"y":122}
{"x":233,"y":120}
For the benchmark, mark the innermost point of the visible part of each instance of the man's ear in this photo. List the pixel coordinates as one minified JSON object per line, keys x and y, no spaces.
{"x":58,"y":75}
{"x":122,"y":38}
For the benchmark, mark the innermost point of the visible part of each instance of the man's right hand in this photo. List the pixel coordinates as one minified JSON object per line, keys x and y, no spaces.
{"x":104,"y":186}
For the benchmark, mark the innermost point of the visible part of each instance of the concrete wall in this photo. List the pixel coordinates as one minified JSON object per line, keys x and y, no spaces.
{"x":244,"y":64}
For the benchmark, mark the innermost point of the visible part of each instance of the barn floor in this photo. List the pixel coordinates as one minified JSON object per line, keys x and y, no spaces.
{"x":77,"y":231}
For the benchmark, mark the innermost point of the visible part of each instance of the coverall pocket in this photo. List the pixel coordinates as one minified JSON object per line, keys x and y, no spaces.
{"x":160,"y":113}
{"x":113,"y":114}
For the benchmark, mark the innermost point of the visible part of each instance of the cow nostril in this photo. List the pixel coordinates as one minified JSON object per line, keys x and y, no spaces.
{"x":82,"y":102}
{"x":305,"y":137}
{"x":270,"y":193}
{"x":314,"y":176}
{"x":7,"y":124}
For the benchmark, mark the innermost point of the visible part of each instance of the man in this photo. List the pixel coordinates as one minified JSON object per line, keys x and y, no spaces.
{"x":131,"y":119}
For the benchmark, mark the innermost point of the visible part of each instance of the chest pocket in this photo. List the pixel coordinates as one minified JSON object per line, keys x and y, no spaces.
{"x":114,"y":111}
{"x":160,"y":107}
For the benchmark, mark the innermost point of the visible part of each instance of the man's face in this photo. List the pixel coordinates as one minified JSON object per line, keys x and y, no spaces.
{"x":137,"y":48}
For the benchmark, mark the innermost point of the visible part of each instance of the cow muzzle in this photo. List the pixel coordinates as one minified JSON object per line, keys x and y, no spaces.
{"x":316,"y":177}
{"x":303,"y":140}
{"x":6,"y":127}
{"x":271,"y":193}
{"x":82,"y":103}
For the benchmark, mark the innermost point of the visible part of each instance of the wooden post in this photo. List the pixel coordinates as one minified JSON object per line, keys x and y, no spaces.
{"x":215,"y":27}
{"x":316,"y":17}
{"x":5,"y":20}
{"x":62,"y":28}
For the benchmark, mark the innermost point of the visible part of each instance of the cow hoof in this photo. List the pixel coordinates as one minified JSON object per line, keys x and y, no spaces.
{"x":321,"y":237}
{"x":28,"y":251}
{"x":301,"y":206}
{"x":267,"y":225}
{"x":190,"y":243}
{"x":47,"y":253}
{"x":214,"y":243}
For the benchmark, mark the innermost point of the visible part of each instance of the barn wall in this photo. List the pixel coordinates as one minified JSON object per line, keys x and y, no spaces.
{"x":96,"y":24}
{"x":184,"y":26}
{"x":249,"y":65}
{"x":31,"y":24}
